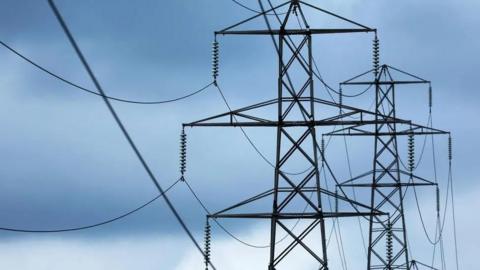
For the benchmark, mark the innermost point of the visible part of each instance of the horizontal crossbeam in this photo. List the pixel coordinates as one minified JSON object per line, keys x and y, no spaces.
{"x":384,"y":82}
{"x":313,"y":215}
{"x":295,"y":123}
{"x":293,"y":32}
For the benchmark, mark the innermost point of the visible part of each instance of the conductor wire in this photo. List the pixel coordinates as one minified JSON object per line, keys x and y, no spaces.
{"x":327,"y":166}
{"x":250,"y":140}
{"x":251,"y":9}
{"x":93,"y":225}
{"x":122,"y":127}
{"x":140,"y":102}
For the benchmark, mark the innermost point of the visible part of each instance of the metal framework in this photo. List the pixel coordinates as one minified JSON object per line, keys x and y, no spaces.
{"x":295,"y":107}
{"x":387,"y":248}
{"x":296,"y":123}
{"x":415,"y":265}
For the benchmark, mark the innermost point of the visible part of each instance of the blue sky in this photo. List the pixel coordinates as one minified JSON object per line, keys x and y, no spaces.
{"x":65,"y":163}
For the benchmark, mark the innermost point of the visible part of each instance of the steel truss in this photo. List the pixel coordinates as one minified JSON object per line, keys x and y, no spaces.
{"x":296,"y":123}
{"x":387,"y":248}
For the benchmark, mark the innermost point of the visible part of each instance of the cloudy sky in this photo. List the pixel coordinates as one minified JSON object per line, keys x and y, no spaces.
{"x":65,"y":163}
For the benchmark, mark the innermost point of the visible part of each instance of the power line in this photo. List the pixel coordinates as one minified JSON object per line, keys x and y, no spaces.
{"x":336,"y":221}
{"x":96,"y":224}
{"x":245,"y":7}
{"x":223,"y":97}
{"x":336,"y":225}
{"x":319,"y":76}
{"x":277,"y":49}
{"x":250,"y":141}
{"x":204,"y":207}
{"x":329,"y":89}
{"x":122,"y":127}
{"x":38,"y":66}
{"x":422,"y":152}
{"x":354,"y":192}
{"x":317,"y":72}
{"x":228,"y":232}
{"x":249,"y":8}
{"x":453,"y":215}
{"x":441,"y":223}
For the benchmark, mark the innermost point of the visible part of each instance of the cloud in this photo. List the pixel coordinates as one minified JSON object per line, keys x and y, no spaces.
{"x":79,"y":254}
{"x":65,"y":163}
{"x":175,"y":252}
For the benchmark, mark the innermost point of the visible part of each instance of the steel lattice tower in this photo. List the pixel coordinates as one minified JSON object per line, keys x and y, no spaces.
{"x":387,"y":247}
{"x":295,"y":98}
{"x":296,"y":125}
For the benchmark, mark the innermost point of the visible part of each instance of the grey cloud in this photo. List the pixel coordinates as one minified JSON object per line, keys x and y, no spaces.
{"x":66,"y":163}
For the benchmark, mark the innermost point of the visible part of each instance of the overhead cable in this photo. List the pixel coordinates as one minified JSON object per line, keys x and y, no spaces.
{"x":228,"y":232}
{"x":250,"y":141}
{"x":453,"y":203}
{"x":251,"y":9}
{"x":141,"y":102}
{"x":274,"y":41}
{"x":123,"y":129}
{"x":92,"y":225}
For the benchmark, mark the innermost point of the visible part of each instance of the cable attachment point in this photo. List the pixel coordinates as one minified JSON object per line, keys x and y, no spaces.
{"x":208,"y":235}
{"x":389,"y":243}
{"x":340,"y":97}
{"x":430,"y":96}
{"x":183,"y":153}
{"x":438,"y":200}
{"x":336,"y":200}
{"x":376,"y":55}
{"x":411,"y":152}
{"x":322,"y":145}
{"x":215,"y":59}
{"x":450,"y":148}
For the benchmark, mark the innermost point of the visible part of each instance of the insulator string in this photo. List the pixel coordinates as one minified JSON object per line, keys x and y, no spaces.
{"x":322,"y":149}
{"x":183,"y":154}
{"x":215,"y":59}
{"x":411,"y":152}
{"x":376,"y":55}
{"x":207,"y":247}
{"x":389,"y":243}
{"x":450,"y":150}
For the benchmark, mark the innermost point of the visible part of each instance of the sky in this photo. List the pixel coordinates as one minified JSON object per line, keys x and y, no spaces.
{"x":65,"y":163}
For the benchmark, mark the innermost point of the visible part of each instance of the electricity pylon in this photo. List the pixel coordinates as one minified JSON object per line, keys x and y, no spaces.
{"x":296,"y":123}
{"x":387,"y":247}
